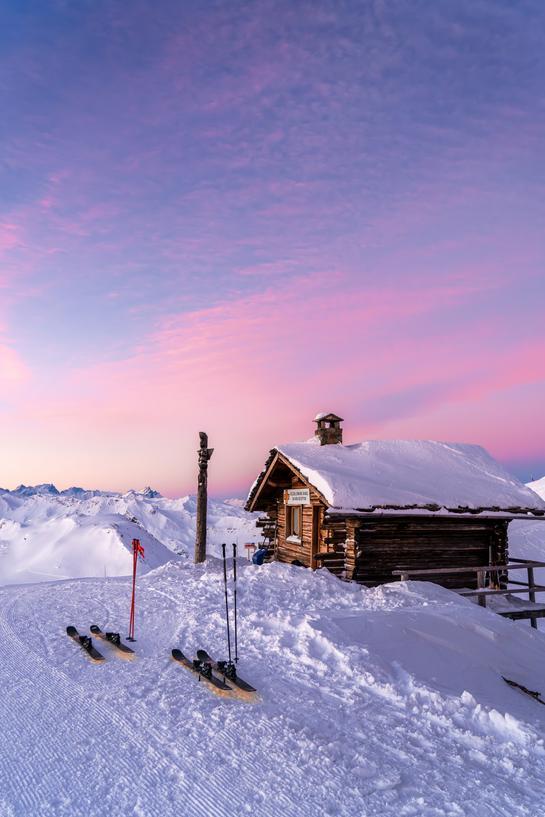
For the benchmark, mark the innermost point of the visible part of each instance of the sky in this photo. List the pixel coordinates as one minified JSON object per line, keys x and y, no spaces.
{"x":228,"y":216}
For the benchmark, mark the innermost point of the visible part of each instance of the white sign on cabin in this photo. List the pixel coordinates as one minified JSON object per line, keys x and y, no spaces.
{"x":298,"y":496}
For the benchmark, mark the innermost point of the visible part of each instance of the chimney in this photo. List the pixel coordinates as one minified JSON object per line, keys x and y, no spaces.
{"x":328,"y":429}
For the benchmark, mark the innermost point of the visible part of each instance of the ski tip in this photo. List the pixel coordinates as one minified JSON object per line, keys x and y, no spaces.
{"x":71,"y":630}
{"x":177,"y":654}
{"x":202,"y":655}
{"x":94,"y":628}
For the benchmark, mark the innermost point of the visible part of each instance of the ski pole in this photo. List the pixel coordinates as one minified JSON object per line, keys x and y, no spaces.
{"x":235,"y":597}
{"x":226,"y":601}
{"x":131,"y":617}
{"x":137,"y":550}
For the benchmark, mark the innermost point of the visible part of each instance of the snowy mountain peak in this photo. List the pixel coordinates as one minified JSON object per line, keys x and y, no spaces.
{"x":234,"y":503}
{"x":147,"y":492}
{"x":32,"y":490}
{"x":151,"y":493}
{"x":82,"y":493}
{"x":75,"y":490}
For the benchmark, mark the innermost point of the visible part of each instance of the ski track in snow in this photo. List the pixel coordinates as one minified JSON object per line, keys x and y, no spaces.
{"x":339,"y":730}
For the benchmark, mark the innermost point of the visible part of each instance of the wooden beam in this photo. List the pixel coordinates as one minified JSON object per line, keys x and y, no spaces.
{"x":328,"y":556}
{"x":536,"y":588}
{"x":467,"y":569}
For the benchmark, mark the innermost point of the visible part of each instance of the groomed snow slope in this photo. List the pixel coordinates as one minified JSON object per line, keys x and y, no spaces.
{"x":47,"y":535}
{"x":382,"y":702}
{"x":408,"y":472}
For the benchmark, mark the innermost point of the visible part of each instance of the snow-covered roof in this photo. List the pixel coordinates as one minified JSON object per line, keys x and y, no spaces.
{"x":408,"y":474}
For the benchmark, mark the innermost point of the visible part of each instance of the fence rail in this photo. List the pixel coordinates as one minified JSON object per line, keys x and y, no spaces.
{"x":496,"y":575}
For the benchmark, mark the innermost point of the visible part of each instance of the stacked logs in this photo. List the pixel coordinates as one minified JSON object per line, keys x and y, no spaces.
{"x":334,"y":555}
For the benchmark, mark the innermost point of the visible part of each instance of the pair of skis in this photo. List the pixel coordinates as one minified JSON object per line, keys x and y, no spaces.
{"x":221,"y":676}
{"x":86,"y":643}
{"x":214,"y":673}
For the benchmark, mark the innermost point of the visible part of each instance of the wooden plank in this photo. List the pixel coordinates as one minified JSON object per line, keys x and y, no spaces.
{"x":506,"y":592}
{"x":522,"y":614}
{"x":509,"y":566}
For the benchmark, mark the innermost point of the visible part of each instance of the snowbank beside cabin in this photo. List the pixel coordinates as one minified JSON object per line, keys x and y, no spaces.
{"x":46,"y":535}
{"x":527,"y":540}
{"x":538,"y":486}
{"x":375,"y":702}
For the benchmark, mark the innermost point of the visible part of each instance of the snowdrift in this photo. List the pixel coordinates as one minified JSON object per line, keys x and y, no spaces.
{"x":538,"y":486}
{"x":527,"y":540}
{"x":45,"y":534}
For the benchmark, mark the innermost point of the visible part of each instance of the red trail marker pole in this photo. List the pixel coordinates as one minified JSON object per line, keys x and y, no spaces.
{"x":137,"y":550}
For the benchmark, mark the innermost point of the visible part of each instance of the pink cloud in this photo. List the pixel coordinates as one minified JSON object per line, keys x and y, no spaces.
{"x":9,"y":238}
{"x":13,"y":370}
{"x":253,"y":371}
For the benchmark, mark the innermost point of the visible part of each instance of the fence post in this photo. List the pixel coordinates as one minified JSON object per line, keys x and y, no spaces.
{"x":480,"y":585}
{"x":531,"y":594}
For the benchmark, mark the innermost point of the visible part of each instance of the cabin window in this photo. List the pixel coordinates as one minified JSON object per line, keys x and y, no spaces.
{"x":294,"y":516}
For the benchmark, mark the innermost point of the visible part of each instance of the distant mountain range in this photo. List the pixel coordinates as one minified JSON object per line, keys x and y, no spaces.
{"x":50,"y":534}
{"x":48,"y":489}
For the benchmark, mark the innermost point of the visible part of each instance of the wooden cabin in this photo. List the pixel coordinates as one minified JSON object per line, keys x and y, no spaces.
{"x":368,"y":509}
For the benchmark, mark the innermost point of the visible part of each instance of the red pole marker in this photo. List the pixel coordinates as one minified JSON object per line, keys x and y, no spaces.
{"x":137,"y":550}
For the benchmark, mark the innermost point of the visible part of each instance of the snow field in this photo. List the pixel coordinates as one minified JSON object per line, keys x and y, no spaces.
{"x":373,"y":702}
{"x":46,"y":536}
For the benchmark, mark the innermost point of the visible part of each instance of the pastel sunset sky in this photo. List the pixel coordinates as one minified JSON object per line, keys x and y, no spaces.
{"x":228,"y":216}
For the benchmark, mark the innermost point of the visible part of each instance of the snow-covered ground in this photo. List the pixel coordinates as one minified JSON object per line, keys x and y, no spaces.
{"x":372,"y":702}
{"x":45,"y":534}
{"x":538,"y":486}
{"x":384,"y":702}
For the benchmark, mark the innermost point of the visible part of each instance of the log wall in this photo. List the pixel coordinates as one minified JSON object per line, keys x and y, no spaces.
{"x":384,"y":545}
{"x":333,"y":542}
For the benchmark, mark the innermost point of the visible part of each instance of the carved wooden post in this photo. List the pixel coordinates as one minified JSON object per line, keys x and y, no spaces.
{"x":202,"y":498}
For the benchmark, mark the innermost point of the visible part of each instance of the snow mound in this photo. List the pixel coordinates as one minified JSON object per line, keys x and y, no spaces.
{"x":45,"y":534}
{"x":538,"y":486}
{"x":407,"y":473}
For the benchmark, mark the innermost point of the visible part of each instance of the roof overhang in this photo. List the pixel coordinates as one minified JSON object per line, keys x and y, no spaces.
{"x":440,"y":513}
{"x":274,"y":458}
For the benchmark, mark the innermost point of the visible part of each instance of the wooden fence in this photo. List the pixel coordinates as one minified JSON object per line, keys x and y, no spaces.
{"x":492,"y":581}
